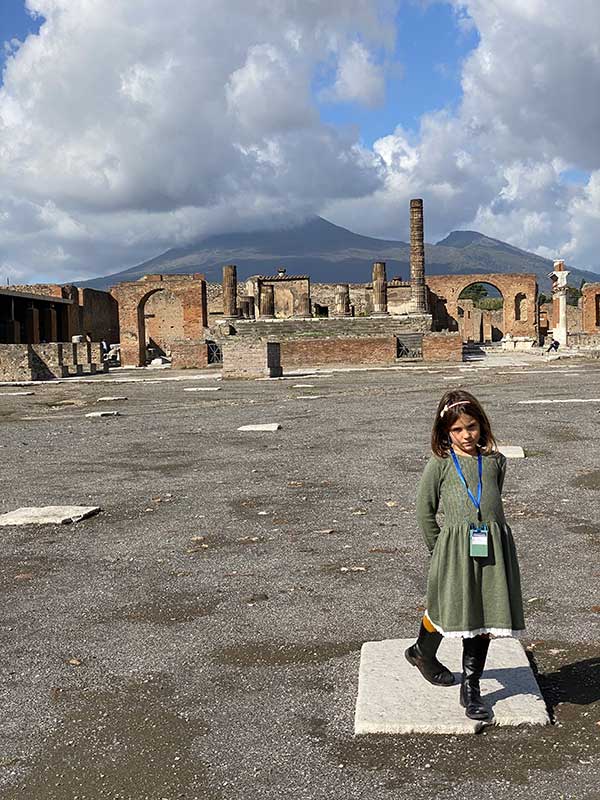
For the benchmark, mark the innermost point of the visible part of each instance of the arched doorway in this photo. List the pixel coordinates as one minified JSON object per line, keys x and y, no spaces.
{"x":480,"y":311}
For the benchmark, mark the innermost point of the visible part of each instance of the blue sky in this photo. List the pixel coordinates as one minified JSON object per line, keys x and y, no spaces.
{"x":15,"y":22}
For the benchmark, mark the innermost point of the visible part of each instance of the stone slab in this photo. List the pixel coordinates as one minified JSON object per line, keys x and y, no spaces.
{"x":16,"y":394}
{"x":110,"y":399}
{"x":267,"y":426}
{"x":394,"y":698}
{"x":303,"y":386}
{"x":47,"y":515}
{"x":103,"y":414}
{"x":511,"y":451}
{"x":310,"y":396}
{"x":203,"y":389}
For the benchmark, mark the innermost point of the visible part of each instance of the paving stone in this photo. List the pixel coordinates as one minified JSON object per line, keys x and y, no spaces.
{"x":110,"y":399}
{"x":303,"y":386}
{"x":47,"y":515}
{"x":268,"y":426}
{"x":310,"y":396}
{"x":203,"y":389}
{"x":511,"y":451}
{"x":16,"y":394}
{"x":103,"y":414}
{"x":393,"y":697}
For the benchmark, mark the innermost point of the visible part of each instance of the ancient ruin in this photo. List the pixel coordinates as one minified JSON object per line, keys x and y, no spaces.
{"x":50,"y":330}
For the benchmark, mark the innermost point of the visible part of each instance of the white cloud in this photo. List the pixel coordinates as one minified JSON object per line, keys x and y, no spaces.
{"x":359,"y":79}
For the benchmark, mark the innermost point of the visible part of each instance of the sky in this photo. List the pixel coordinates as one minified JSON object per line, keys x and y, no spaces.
{"x":125,"y":131}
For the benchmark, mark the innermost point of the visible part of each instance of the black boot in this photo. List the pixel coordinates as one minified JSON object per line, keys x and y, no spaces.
{"x":474,"y":654}
{"x":422,"y":656}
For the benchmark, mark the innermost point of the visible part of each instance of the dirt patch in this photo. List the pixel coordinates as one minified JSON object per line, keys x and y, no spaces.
{"x":271,"y":654}
{"x":588,"y":480}
{"x":564,"y":435}
{"x":129,"y":741}
{"x":171,"y":610}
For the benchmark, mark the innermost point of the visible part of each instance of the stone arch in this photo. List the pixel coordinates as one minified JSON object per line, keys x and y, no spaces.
{"x":186,"y":291}
{"x":446,"y":289}
{"x":476,"y":324}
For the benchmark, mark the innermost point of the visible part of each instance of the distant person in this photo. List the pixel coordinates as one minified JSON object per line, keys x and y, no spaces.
{"x":105,"y":348}
{"x":474,"y":587}
{"x":554,"y":345}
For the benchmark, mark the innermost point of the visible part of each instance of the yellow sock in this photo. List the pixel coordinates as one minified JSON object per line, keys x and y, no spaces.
{"x":429,"y":626}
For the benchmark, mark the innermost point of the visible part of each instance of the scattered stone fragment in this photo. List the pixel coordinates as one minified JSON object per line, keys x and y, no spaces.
{"x":203,"y":389}
{"x":511,"y":451}
{"x":326,"y":531}
{"x":295,"y":484}
{"x":47,"y":515}
{"x":95,"y":414}
{"x":16,"y":394}
{"x":74,"y":662}
{"x":393,"y":697}
{"x":359,"y":512}
{"x":299,"y":386}
{"x":391,"y":503}
{"x":310,"y":396}
{"x":110,"y":399}
{"x":353,"y":569}
{"x":262,"y":513}
{"x":270,"y":427}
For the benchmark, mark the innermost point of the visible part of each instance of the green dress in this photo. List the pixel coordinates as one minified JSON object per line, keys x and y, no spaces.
{"x":467,"y":596}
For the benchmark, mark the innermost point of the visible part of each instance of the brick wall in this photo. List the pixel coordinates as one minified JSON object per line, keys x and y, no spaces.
{"x":99,"y":315}
{"x":245,"y":358}
{"x":188,"y":355}
{"x":442,"y":347}
{"x":317,"y":352}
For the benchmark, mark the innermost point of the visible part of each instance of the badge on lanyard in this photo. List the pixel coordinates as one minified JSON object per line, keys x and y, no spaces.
{"x":478,"y":532}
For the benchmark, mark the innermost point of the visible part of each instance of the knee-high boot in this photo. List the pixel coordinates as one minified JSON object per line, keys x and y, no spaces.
{"x":475,"y":651}
{"x":422,"y":655}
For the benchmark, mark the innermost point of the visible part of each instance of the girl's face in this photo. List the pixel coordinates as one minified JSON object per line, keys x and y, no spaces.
{"x":464,"y":435}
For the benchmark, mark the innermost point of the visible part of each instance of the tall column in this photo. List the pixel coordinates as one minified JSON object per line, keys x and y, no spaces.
{"x":559,"y":297}
{"x":342,"y":300}
{"x":230,"y":291}
{"x":267,"y":301}
{"x":417,"y":256}
{"x":379,"y":288}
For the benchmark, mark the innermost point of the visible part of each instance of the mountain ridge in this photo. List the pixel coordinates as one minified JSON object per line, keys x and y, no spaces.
{"x":329,"y":253}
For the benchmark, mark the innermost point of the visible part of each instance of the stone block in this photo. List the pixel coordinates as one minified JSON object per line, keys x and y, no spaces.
{"x":511,"y":451}
{"x":269,"y":427}
{"x":394,"y":698}
{"x":47,"y":515}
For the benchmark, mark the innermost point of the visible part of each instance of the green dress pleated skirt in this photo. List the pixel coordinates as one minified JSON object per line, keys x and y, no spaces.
{"x":467,"y":596}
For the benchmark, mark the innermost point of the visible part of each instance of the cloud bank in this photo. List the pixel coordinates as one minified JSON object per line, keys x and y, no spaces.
{"x":125,"y":130}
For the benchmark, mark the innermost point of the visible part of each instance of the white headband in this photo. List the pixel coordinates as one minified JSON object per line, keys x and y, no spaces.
{"x":452,"y":405}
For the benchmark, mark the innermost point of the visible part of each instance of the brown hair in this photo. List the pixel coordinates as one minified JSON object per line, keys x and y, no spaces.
{"x":454,"y":403}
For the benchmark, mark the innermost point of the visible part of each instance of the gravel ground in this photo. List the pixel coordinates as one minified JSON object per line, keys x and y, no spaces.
{"x":200,"y":637}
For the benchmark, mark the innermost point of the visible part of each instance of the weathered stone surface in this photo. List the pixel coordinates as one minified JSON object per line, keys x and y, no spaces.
{"x":47,"y":515}
{"x":103,"y":414}
{"x":310,"y":396}
{"x":109,"y":399}
{"x":267,"y":426}
{"x":393,"y":697}
{"x":203,"y":389}
{"x":511,"y":451}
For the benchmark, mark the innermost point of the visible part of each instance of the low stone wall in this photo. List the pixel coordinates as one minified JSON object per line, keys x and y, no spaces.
{"x":442,"y":347}
{"x":319,"y":352}
{"x":591,"y":340}
{"x":245,"y":358}
{"x":40,"y":362}
{"x":187,"y":354}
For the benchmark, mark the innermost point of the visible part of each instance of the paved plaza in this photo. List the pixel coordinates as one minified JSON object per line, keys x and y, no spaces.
{"x":200,"y":636}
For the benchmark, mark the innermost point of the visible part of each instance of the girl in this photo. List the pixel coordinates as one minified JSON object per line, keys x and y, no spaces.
{"x":473,"y":588}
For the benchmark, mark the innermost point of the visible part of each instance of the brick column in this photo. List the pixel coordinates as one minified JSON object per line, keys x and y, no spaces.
{"x":32,"y":325}
{"x":417,"y":256}
{"x":267,"y":301}
{"x":230,"y":291}
{"x":379,"y":288}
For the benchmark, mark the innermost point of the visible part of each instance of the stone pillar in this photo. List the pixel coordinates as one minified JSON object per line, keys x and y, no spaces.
{"x":303,"y":306}
{"x":379,"y":288}
{"x":32,"y":325}
{"x":50,"y":324}
{"x":342,"y":300}
{"x":417,"y":256}
{"x":230,"y":291}
{"x":267,"y":301}
{"x":559,"y":299}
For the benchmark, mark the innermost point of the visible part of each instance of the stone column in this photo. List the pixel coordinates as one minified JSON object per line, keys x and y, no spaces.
{"x":342,"y":300}
{"x":49,"y":321}
{"x":32,"y":325}
{"x":379,"y":288}
{"x":417,"y":256}
{"x":230,"y":310}
{"x":267,"y":301}
{"x":559,"y":298}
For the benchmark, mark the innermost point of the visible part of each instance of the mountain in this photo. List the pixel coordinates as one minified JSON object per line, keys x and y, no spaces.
{"x":329,"y":254}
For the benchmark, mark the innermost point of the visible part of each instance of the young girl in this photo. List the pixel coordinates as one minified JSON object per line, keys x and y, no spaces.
{"x":473,"y":588}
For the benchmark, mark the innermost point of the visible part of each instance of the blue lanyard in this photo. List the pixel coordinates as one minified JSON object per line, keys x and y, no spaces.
{"x":476,"y":502}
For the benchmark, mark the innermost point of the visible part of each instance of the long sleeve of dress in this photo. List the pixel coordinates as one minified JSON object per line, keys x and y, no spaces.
{"x":501,"y":471}
{"x":428,"y":500}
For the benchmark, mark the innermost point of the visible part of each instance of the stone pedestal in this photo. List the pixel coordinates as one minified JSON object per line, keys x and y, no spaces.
{"x":417,"y":256}
{"x":379,"y":288}
{"x":267,"y":301}
{"x":230,"y":310}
